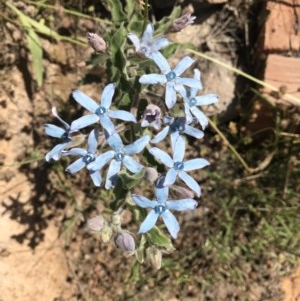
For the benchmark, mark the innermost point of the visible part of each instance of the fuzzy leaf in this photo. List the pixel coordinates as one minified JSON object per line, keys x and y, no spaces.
{"x":130,"y":181}
{"x":159,"y":239}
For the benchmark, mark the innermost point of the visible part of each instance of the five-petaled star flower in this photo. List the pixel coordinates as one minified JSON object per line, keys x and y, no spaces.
{"x":175,"y":127}
{"x":148,"y":46}
{"x":57,"y":132}
{"x":87,"y":156}
{"x":174,"y":83}
{"x":161,"y":206}
{"x":100,"y":112}
{"x":120,"y":154}
{"x":177,"y":166}
{"x":191,"y":101}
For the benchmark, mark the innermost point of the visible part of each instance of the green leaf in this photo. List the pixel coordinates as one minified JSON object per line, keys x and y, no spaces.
{"x":159,"y":239}
{"x":130,"y":6}
{"x":117,"y":12}
{"x":36,"y":54}
{"x":131,"y":181}
{"x":163,"y":25}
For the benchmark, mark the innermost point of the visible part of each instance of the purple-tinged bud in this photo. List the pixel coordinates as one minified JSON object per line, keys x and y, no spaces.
{"x":96,"y":42}
{"x":125,"y":241}
{"x":151,"y":174}
{"x":152,"y":117}
{"x":182,"y":22}
{"x":154,"y":256}
{"x":180,"y":192}
{"x":96,"y":223}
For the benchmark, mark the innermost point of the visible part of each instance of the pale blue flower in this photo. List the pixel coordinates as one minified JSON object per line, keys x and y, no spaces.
{"x":191,"y":101}
{"x":87,"y":156}
{"x":148,"y":46}
{"x":177,"y":167}
{"x":161,"y":206}
{"x":174,"y":83}
{"x":57,"y":132}
{"x":118,"y":155}
{"x":175,"y":127}
{"x":100,"y":112}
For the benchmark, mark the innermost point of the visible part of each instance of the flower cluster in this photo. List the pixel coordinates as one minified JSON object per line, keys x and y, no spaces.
{"x":119,"y":156}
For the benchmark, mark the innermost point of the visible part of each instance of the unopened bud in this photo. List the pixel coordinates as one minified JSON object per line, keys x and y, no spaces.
{"x":96,"y":223}
{"x":182,"y":22}
{"x":125,"y":241}
{"x":154,"y":256}
{"x":96,"y":42}
{"x":152,"y":117}
{"x":106,"y":234}
{"x":181,"y":192}
{"x":151,"y":174}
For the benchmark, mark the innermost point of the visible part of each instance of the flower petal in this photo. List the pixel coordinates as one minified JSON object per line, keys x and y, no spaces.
{"x":76,"y":166}
{"x":170,"y":97}
{"x":200,"y":117}
{"x":149,"y":222}
{"x":182,"y":205}
{"x":137,"y":146}
{"x":170,"y":177}
{"x":190,"y":82}
{"x":121,"y":114}
{"x":134,"y":39}
{"x":55,"y":153}
{"x":84,"y":121}
{"x":190,"y":182}
{"x":161,"y":156}
{"x":132,"y":164}
{"x":195,"y":164}
{"x":101,"y":160}
{"x":178,"y":148}
{"x":112,"y":174}
{"x":152,"y":79}
{"x":183,"y":64}
{"x":161,"y":135}
{"x":93,"y":141}
{"x":76,"y":151}
{"x":207,"y":99}
{"x":160,"y":43}
{"x":191,"y":131}
{"x":115,"y":142}
{"x":54,"y":112}
{"x":107,"y":124}
{"x":171,"y":223}
{"x":197,"y":76}
{"x":161,"y":192}
{"x":96,"y":177}
{"x":107,"y":95}
{"x":188,"y":115}
{"x":85,"y":101}
{"x":148,"y":33}
{"x":143,"y":202}
{"x":53,"y":130}
{"x":161,"y":62}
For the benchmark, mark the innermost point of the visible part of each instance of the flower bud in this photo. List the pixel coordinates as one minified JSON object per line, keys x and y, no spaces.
{"x":96,"y":223}
{"x":151,"y":174}
{"x":181,"y":192}
{"x":152,"y":117}
{"x":154,"y":256}
{"x":106,"y":234}
{"x":182,"y":22}
{"x":96,"y":42}
{"x":125,"y":241}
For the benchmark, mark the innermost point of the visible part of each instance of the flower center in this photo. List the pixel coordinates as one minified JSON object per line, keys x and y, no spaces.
{"x":88,"y":158}
{"x":171,"y":76}
{"x":119,"y":156}
{"x":65,"y":137}
{"x":159,"y":209}
{"x":178,"y":126}
{"x":100,"y":111}
{"x":178,"y":165}
{"x":192,"y":102}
